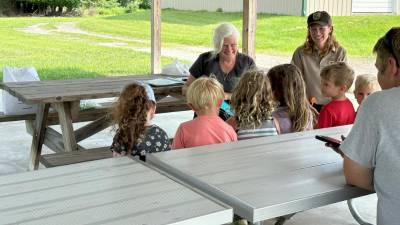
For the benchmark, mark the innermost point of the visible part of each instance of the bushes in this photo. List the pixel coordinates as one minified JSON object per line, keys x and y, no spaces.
{"x":58,"y":7}
{"x":46,"y":7}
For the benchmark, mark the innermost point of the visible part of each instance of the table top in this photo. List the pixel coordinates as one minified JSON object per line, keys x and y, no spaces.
{"x":50,"y":91}
{"x":265,"y":177}
{"x":110,"y":191}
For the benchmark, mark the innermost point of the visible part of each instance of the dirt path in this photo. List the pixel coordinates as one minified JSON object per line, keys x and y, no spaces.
{"x":182,"y":52}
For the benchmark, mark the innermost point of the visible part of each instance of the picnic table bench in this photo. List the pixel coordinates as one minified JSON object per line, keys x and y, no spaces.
{"x":63,"y":96}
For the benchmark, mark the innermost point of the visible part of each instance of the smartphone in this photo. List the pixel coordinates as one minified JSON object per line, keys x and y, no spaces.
{"x":332,"y":141}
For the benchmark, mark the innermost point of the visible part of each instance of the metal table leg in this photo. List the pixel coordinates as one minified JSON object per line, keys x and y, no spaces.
{"x":355,"y":213}
{"x":282,"y":219}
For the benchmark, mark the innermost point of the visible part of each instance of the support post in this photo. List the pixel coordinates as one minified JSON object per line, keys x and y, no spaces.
{"x":249,"y":27}
{"x":156,"y":37}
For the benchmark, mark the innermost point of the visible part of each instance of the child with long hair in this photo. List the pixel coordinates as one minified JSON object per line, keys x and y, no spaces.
{"x":252,"y":104}
{"x":132,"y":114}
{"x":293,"y":112}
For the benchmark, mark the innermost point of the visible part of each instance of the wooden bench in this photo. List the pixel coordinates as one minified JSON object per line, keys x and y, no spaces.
{"x":66,"y":158}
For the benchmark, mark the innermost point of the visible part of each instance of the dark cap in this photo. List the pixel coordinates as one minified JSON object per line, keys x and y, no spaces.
{"x":319,"y":17}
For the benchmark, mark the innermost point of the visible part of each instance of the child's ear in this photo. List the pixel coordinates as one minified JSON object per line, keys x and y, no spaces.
{"x":220,"y":103}
{"x":343,"y":88}
{"x":152,"y":111}
{"x":191,"y":106}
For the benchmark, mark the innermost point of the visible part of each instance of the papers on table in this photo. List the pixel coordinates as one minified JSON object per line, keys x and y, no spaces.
{"x":165,"y":82}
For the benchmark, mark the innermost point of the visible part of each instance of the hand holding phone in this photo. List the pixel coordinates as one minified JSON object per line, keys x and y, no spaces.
{"x":331,"y":142}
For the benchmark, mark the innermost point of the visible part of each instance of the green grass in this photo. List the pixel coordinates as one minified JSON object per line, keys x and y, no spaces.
{"x":66,"y":55}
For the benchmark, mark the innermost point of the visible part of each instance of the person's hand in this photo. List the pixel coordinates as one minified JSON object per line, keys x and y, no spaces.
{"x":116,"y":154}
{"x":335,"y":148}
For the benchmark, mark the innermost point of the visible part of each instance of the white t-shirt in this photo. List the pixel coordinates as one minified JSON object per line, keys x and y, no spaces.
{"x":374,"y":142}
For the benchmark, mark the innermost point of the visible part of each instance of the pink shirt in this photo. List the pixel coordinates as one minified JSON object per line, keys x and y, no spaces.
{"x":203,"y":130}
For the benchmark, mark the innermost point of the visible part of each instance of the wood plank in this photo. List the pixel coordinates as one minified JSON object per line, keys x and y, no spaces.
{"x":249,"y":27}
{"x":66,"y":158}
{"x":53,"y":139}
{"x":64,"y":114}
{"x":73,"y":90}
{"x":38,"y":137}
{"x":156,"y":36}
{"x":92,"y":128}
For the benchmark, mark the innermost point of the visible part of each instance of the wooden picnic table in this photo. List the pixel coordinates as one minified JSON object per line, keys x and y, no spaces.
{"x":114,"y":191}
{"x":264,"y":178}
{"x":64,"y":96}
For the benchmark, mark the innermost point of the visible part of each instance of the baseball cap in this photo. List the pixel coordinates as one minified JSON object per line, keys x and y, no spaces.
{"x":149,"y":91}
{"x":319,"y":17}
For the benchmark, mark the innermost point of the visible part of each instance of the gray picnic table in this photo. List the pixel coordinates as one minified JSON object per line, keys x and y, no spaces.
{"x":114,"y":191}
{"x":64,"y":97}
{"x":267,"y":177}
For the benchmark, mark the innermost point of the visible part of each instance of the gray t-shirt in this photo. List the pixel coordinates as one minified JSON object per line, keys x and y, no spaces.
{"x":206,"y":65}
{"x":374,"y":142}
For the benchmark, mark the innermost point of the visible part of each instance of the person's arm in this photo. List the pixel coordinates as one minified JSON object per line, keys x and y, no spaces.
{"x":357,"y":174}
{"x":277,"y":125}
{"x":232,"y":122}
{"x":343,"y":56}
{"x":324,"y":119}
{"x":177,"y":143}
{"x":189,"y":81}
{"x":296,"y":59}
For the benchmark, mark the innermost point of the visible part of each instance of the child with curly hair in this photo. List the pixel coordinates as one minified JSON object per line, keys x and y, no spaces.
{"x":132,"y":114}
{"x":253,"y":105}
{"x":293,"y":112}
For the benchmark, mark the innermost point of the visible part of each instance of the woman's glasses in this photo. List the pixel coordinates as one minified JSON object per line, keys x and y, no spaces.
{"x":388,"y":39}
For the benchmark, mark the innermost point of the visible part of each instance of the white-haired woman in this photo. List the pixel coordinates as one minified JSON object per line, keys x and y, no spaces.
{"x":319,"y":50}
{"x":225,"y":62}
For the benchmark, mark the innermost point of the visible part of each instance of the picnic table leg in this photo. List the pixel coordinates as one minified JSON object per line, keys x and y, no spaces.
{"x":64,"y":115}
{"x":355,"y":213}
{"x":38,"y":135}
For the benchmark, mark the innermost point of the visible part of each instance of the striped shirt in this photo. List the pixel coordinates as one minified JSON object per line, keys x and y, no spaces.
{"x":267,"y":128}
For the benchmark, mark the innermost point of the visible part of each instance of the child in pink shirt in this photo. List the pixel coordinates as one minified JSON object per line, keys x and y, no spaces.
{"x":204,"y":96}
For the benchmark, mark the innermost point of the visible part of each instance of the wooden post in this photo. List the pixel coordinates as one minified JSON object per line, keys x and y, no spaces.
{"x":156,"y":36}
{"x":249,"y":27}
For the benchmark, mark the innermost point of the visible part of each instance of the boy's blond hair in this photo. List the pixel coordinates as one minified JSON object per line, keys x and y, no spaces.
{"x":366,"y":80}
{"x":339,"y":73}
{"x":205,"y":93}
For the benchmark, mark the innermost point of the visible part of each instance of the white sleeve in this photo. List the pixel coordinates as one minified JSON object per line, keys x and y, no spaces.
{"x":361,"y":144}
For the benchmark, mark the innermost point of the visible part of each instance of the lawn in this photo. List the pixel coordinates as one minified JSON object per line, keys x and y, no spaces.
{"x":68,"y":55}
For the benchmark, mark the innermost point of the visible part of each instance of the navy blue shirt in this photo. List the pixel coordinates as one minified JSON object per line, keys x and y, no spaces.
{"x":206,"y":65}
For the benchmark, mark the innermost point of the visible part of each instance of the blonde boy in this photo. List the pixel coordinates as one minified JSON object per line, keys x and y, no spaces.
{"x":336,"y":79}
{"x":365,"y":85}
{"x":204,"y":96}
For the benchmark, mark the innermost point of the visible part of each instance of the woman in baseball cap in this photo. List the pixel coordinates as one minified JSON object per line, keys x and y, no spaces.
{"x":319,"y":50}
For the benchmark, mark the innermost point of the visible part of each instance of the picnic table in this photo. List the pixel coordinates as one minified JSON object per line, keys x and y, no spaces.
{"x":264,"y":178}
{"x":110,"y":191}
{"x":64,"y":96}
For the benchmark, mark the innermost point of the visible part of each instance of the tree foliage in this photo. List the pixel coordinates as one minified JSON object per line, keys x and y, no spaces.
{"x":57,"y":7}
